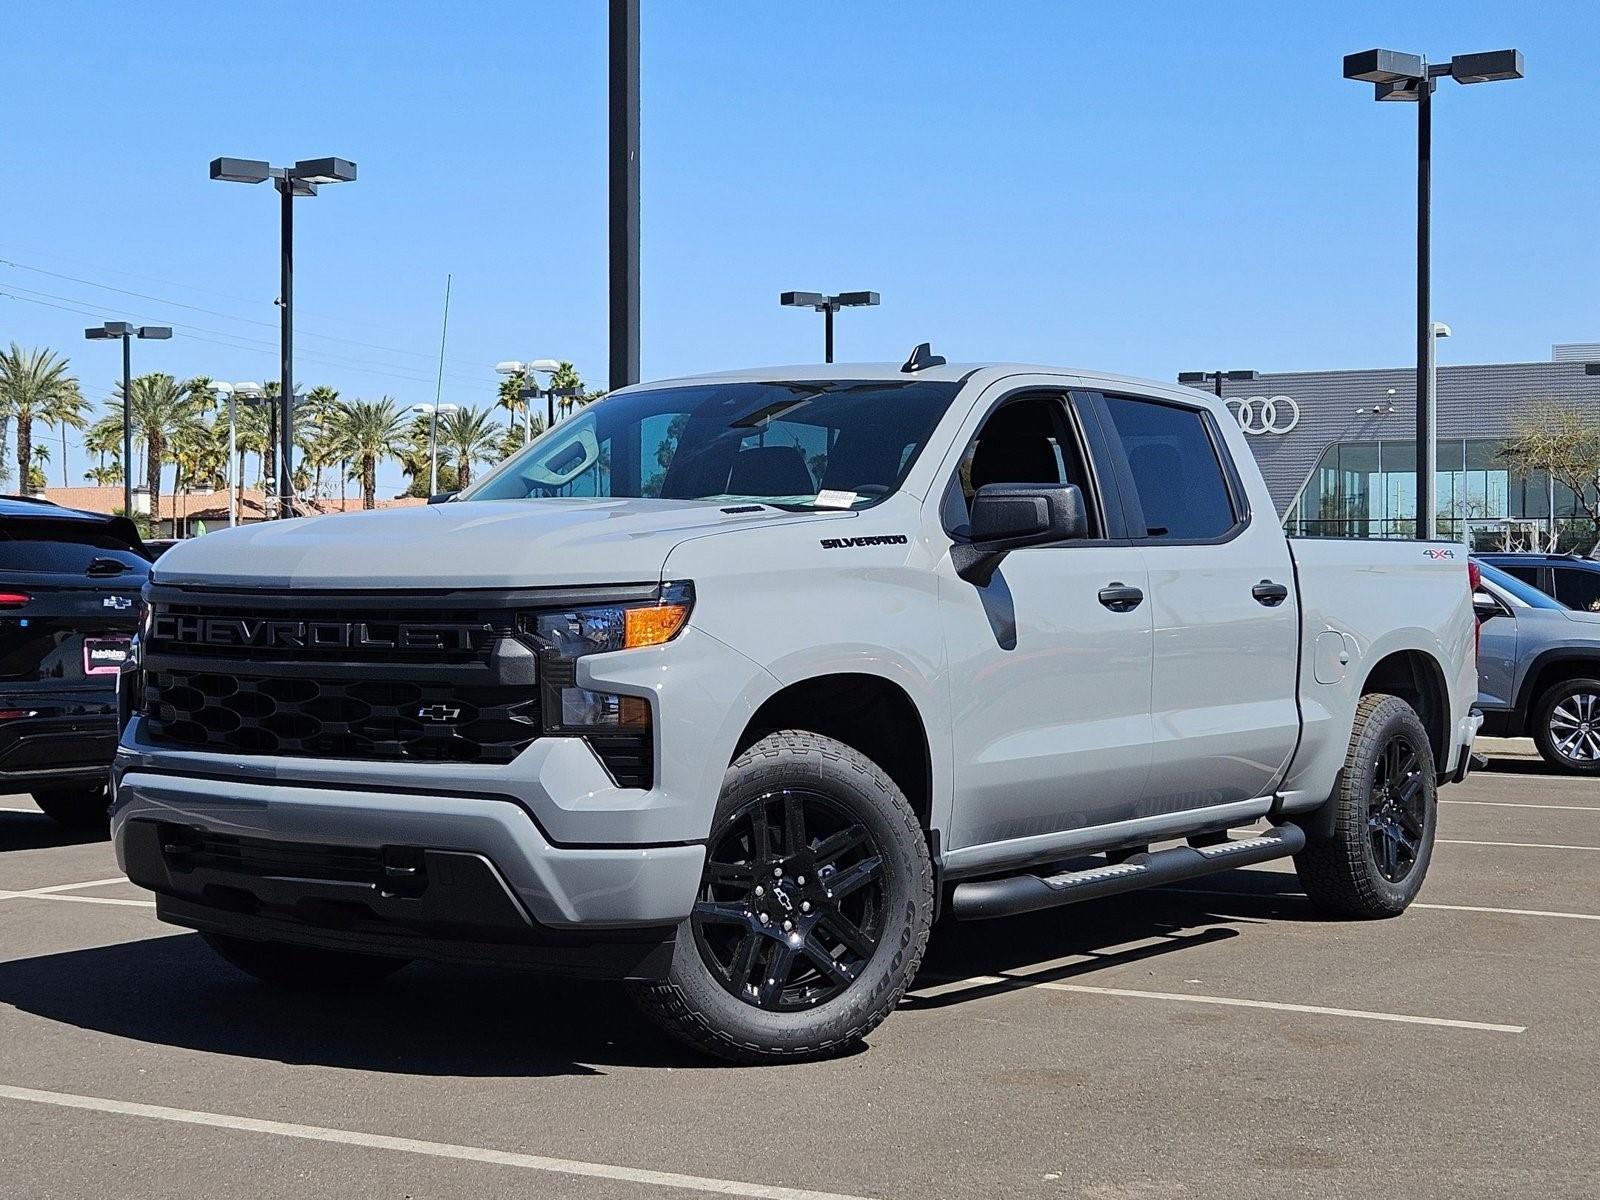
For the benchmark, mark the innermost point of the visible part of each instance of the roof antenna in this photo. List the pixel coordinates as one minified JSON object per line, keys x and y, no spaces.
{"x":921,"y":359}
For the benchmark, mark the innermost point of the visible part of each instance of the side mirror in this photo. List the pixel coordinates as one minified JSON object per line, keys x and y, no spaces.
{"x":1486,"y":605}
{"x":441,"y":497}
{"x":1011,"y":516}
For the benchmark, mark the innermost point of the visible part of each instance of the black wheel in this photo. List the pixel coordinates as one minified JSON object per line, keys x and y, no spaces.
{"x":302,"y":968}
{"x":1385,"y":814}
{"x":81,"y":807}
{"x":1566,"y":726}
{"x":813,"y":910}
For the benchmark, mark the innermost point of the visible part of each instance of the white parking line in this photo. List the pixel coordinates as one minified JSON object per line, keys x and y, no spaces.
{"x":374,"y":1141}
{"x":77,"y":899}
{"x":1013,"y":981}
{"x":1518,"y":845}
{"x":73,"y":887}
{"x":1510,"y":912}
{"x":1478,"y":908}
{"x":1588,"y":808}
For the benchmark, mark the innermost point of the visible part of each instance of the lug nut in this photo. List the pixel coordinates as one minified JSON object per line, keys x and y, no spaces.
{"x":801,"y":881}
{"x":788,"y":925}
{"x":777,"y":872}
{"x":760,"y":891}
{"x":765,"y":919}
{"x":805,"y":906}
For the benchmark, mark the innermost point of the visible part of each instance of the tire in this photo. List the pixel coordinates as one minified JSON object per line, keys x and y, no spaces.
{"x":852,"y":877}
{"x":1568,"y":715}
{"x":302,"y":968}
{"x":1385,"y":813}
{"x":81,"y":807}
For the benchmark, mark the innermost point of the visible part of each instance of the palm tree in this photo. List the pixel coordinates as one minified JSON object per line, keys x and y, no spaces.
{"x":322,"y":442}
{"x":104,"y":440}
{"x":34,"y":385}
{"x":469,"y":435}
{"x":162,"y":409}
{"x":371,"y":431}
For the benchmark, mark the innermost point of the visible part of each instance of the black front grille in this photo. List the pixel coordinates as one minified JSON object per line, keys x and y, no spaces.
{"x":188,"y":848}
{"x":340,"y":718}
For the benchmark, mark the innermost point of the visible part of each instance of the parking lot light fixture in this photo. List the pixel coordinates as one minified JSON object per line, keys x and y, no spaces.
{"x":302,"y":179}
{"x":125,"y":331}
{"x":433,"y":411}
{"x":528,"y":370}
{"x":1396,"y":76}
{"x":827,"y":306}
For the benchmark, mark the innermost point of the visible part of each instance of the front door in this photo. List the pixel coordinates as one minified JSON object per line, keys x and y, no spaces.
{"x":1049,"y":667}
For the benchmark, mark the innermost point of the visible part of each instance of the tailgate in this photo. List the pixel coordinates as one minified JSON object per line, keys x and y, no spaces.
{"x":66,"y":635}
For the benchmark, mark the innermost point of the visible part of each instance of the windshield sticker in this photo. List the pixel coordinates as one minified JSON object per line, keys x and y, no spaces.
{"x":828,"y":498}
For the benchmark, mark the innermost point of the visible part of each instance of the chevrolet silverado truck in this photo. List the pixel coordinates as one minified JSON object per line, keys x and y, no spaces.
{"x":728,"y":686}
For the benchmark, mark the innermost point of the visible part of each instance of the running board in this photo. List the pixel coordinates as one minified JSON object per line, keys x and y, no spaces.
{"x":1028,"y":893}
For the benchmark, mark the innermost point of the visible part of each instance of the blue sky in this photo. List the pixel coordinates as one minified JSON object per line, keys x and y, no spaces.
{"x":1140,"y":187}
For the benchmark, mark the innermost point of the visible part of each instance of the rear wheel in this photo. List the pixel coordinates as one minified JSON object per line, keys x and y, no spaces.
{"x":813,"y":911}
{"x":81,"y":807}
{"x":1385,"y":814}
{"x":302,"y":968}
{"x":1566,"y":726}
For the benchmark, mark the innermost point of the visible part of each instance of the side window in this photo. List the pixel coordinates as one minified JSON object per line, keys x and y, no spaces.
{"x":1528,"y":575}
{"x":1578,"y":589}
{"x":1027,"y":440}
{"x":1182,"y":487}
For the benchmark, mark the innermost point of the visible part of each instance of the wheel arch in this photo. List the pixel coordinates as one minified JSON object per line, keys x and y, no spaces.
{"x":1548,"y":668}
{"x":1417,"y":678}
{"x":869,"y":713}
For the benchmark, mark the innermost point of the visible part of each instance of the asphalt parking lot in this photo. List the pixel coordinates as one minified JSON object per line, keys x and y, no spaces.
{"x":1216,"y":1041}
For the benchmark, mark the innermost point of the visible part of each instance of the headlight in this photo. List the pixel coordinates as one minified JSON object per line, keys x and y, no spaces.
{"x":563,"y":636}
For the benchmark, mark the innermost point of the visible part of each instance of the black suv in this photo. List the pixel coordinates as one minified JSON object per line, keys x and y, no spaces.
{"x":1570,"y":579}
{"x":69,"y":604}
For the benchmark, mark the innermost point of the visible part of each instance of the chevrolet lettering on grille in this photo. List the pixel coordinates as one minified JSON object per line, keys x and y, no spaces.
{"x":266,"y":633}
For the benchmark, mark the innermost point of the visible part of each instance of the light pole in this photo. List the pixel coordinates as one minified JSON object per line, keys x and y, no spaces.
{"x":252,"y":394}
{"x":827,"y":306}
{"x":1430,"y":449}
{"x":433,"y":411}
{"x":529,"y":370}
{"x":302,"y":179}
{"x":1410,"y":77}
{"x":127,"y":332}
{"x":1201,"y":378}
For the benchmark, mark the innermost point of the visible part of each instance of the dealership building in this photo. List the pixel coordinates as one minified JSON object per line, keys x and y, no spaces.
{"x":1338,"y":448}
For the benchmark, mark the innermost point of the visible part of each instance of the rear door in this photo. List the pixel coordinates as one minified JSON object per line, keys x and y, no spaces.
{"x":1223,"y":607}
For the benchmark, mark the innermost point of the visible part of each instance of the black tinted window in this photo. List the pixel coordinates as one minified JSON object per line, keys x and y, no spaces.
{"x":1579,"y":589}
{"x":1526,"y":574}
{"x":63,"y":546}
{"x":1029,"y":440}
{"x":1181,"y":485}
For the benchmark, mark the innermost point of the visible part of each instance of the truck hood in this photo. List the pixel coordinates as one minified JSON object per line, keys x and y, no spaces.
{"x":472,"y":544}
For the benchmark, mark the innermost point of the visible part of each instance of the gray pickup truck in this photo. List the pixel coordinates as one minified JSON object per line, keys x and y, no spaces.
{"x":727,"y":686}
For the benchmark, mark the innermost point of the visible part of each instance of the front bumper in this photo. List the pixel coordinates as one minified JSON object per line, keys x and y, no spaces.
{"x":449,"y":877}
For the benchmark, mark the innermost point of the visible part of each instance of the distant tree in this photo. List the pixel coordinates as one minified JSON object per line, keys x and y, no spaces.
{"x":469,"y":435}
{"x":1562,"y":440}
{"x":35,"y":386}
{"x":372,"y":430}
{"x":161,"y":410}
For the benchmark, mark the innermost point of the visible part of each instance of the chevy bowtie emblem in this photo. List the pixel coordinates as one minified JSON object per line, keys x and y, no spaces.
{"x":119,"y":603}
{"x":438,"y":712}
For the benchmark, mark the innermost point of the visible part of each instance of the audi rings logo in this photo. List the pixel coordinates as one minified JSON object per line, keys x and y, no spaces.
{"x":1265,"y":414}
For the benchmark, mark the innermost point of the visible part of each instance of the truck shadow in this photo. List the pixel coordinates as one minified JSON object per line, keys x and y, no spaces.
{"x":35,"y":831}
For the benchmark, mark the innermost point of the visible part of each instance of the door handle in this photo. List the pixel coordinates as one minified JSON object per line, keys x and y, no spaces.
{"x":1269,"y":593}
{"x":1119,"y":597}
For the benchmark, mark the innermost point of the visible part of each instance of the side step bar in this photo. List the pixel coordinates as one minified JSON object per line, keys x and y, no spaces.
{"x":1028,"y":893}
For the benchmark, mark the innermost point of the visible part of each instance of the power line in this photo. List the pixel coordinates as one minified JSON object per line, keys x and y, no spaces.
{"x":215,"y":313}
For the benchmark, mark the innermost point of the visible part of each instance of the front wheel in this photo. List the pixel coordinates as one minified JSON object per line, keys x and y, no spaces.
{"x":1384,"y":816}
{"x":81,"y":807}
{"x":1566,"y":726}
{"x":813,"y":910}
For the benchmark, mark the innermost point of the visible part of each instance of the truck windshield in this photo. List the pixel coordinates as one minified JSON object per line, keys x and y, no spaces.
{"x":824,"y":444}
